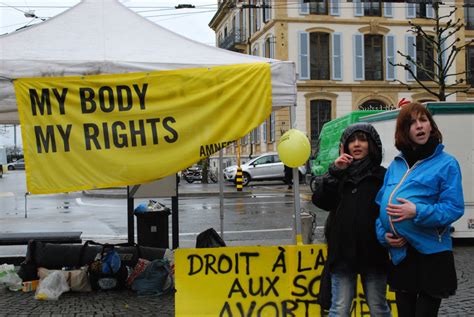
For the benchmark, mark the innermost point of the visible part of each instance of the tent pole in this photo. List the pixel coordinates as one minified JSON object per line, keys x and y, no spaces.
{"x":296,"y":189}
{"x":221,"y":193}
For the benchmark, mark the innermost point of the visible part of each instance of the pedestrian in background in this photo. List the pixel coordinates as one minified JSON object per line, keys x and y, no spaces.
{"x":289,"y":176}
{"x":420,"y":198}
{"x":348,"y":192}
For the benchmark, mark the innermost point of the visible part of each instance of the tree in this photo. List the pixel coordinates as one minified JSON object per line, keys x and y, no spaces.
{"x":442,"y":49}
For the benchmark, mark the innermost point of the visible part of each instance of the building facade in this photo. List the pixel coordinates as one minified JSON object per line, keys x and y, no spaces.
{"x":344,"y":54}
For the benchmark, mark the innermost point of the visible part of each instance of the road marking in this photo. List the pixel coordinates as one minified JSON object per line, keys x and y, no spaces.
{"x":182,"y":234}
{"x":7,"y":194}
{"x":81,"y":203}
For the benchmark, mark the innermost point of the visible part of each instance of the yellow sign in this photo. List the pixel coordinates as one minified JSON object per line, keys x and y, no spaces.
{"x":115,"y":130}
{"x":254,"y":281}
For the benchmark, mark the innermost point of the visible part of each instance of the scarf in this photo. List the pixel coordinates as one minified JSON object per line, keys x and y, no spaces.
{"x":420,"y":152}
{"x":359,"y":169}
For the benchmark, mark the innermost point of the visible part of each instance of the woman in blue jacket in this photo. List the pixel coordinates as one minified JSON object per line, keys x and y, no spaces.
{"x":419,"y":200}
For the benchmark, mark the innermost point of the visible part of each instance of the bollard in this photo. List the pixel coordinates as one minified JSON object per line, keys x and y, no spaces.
{"x":307,"y":227}
{"x":238,"y":179}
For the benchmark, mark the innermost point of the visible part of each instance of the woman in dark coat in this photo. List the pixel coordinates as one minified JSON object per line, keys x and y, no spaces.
{"x":348,"y":191}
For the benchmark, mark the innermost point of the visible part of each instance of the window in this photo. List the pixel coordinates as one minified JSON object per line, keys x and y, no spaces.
{"x":272,"y":127}
{"x":319,"y":56}
{"x":470,"y":65}
{"x":269,"y":47}
{"x":320,"y":113}
{"x":319,"y":7}
{"x":264,"y":131}
{"x":255,"y":136}
{"x":373,"y":8}
{"x":423,"y":10}
{"x":469,"y":14}
{"x":265,"y":10}
{"x":424,"y":58}
{"x":316,"y":61}
{"x":373,"y":60}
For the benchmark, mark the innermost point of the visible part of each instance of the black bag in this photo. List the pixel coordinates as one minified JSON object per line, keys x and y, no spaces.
{"x":209,"y":239}
{"x":107,"y":271}
{"x":28,"y":270}
{"x":325,"y":295}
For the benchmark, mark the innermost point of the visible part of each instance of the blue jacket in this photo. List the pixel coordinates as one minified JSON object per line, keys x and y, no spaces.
{"x":434,"y":185}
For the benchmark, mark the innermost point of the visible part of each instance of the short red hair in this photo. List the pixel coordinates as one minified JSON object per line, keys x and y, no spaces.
{"x":404,"y":120}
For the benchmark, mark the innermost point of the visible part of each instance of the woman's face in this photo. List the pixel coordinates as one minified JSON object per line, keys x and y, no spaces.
{"x":358,"y":146}
{"x":420,"y":129}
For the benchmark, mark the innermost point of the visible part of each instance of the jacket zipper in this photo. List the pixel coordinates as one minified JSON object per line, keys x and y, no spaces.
{"x":396,"y":188}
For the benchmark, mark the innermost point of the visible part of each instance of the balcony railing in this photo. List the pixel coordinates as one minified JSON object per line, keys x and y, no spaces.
{"x":234,"y":37}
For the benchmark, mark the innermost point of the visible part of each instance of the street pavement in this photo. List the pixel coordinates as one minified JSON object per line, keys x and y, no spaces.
{"x":127,"y":303}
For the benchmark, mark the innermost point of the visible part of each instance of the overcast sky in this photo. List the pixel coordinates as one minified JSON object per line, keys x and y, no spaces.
{"x":192,"y":23}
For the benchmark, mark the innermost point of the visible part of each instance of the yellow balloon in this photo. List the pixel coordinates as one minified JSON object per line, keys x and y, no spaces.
{"x":293,"y":148}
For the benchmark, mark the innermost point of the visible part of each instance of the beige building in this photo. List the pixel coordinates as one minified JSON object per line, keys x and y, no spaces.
{"x":343,"y":53}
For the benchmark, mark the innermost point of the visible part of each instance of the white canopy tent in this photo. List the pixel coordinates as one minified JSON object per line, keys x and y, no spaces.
{"x":105,"y":37}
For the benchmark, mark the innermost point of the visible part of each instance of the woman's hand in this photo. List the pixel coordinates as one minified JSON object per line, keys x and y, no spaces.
{"x":343,"y":161}
{"x":394,"y":242}
{"x":403,"y":211}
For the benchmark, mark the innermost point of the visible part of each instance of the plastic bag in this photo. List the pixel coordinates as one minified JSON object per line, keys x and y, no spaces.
{"x":52,"y":286}
{"x":209,"y":239}
{"x":10,"y":278}
{"x":155,"y":279}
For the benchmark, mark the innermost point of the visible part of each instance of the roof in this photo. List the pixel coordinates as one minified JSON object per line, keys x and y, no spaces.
{"x":105,"y":37}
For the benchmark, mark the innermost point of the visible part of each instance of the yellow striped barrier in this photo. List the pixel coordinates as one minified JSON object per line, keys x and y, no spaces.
{"x":238,"y":179}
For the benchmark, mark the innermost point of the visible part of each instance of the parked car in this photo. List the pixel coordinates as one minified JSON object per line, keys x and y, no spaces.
{"x":265,"y":167}
{"x":17,"y":165}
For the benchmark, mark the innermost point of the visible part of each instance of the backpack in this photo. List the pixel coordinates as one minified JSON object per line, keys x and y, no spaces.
{"x":107,"y":272}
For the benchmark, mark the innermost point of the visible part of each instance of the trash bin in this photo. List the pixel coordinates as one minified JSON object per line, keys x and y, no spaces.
{"x":152,"y":228}
{"x":307,"y":227}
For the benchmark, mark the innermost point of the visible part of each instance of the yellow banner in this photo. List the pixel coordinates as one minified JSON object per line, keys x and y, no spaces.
{"x":255,"y":281}
{"x":115,"y":130}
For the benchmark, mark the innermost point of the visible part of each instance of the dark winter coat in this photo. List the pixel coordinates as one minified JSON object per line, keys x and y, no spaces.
{"x":350,"y":229}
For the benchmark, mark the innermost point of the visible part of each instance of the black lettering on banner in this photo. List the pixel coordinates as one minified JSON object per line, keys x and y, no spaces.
{"x":301,"y":269}
{"x":48,"y":138}
{"x":44,"y":141}
{"x":91,"y":133}
{"x":35,"y":101}
{"x":141,"y":94}
{"x":87,"y":96}
{"x":228,"y":261}
{"x":191,"y":259}
{"x":271,"y":286}
{"x":280,"y":261}
{"x":320,"y":260}
{"x":106,"y":106}
{"x":247,"y":256}
{"x":210,"y":260}
{"x":105,"y":128}
{"x":173,"y":132}
{"x":236,"y":288}
{"x":128,"y":93}
{"x":288,"y":307}
{"x":259,"y":289}
{"x":140,"y":131}
{"x":268,"y":304}
{"x":61,"y":98}
{"x":65,"y":135}
{"x":120,"y":140}
{"x":39,"y":105}
{"x":154,"y":131}
{"x":296,"y":284}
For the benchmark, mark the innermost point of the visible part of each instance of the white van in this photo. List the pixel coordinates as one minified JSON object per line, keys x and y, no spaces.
{"x":455,"y":120}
